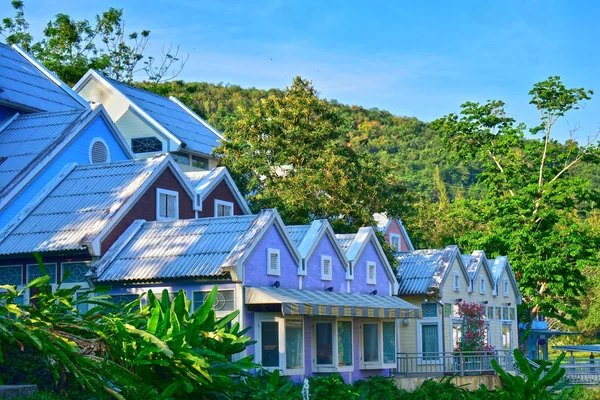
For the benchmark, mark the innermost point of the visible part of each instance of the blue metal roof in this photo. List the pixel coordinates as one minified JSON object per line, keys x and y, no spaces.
{"x":297,"y":232}
{"x":421,"y":270}
{"x":194,"y":134}
{"x":24,"y":86}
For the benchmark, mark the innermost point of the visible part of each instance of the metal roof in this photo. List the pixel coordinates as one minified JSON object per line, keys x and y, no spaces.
{"x":497,"y":265}
{"x":345,"y":240}
{"x":204,"y":182}
{"x":76,"y":206}
{"x":187,"y":126}
{"x":26,"y":137}
{"x":421,"y":270}
{"x":312,"y":302}
{"x":26,"y":84}
{"x":298,"y":232}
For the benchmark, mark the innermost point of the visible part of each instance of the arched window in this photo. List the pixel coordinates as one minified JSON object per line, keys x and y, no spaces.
{"x":99,"y":151}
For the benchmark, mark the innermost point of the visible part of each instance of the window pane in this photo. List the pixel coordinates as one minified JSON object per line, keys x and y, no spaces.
{"x":429,"y":335}
{"x":498,"y":313}
{"x":505,"y":313}
{"x":371,"y":342}
{"x":344,"y":343}
{"x":324,"y":343}
{"x":447,"y":309}
{"x":456,"y":335}
{"x":270,"y":344}
{"x":429,"y":310}
{"x":146,"y":145}
{"x":200,"y":162}
{"x":512,"y":314}
{"x":506,"y":337}
{"x":490,"y":312}
{"x":293,"y":344}
{"x":74,"y":272}
{"x":34,"y":271}
{"x":11,"y":275}
{"x":224,"y":300}
{"x":389,"y":342}
{"x":181,"y":158}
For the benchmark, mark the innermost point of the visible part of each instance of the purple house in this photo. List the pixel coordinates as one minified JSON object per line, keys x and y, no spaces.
{"x":294,"y":287}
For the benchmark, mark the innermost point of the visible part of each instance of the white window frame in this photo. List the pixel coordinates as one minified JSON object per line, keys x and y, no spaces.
{"x":46,"y":265}
{"x":456,"y":282}
{"x":335,"y":367}
{"x":324,"y":276}
{"x":223,"y":203}
{"x":420,"y":359}
{"x":278,"y":271}
{"x":94,"y":141}
{"x":374,"y":280}
{"x":505,"y":287}
{"x":396,"y":236}
{"x":167,"y":192}
{"x":482,"y":285}
{"x":13,"y":266}
{"x":219,"y":313}
{"x":62,"y":273}
{"x":379,"y":364}
{"x":259,"y":318}
{"x":453,"y":338}
{"x":510,"y":337}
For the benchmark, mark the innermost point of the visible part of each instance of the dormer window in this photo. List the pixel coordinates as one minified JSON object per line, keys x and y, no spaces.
{"x":482,"y":285}
{"x":371,"y":273}
{"x":223,"y":208}
{"x":326,"y":273}
{"x":505,"y":287}
{"x":395,"y":242}
{"x":273,"y":261}
{"x":167,"y":205}
{"x":456,"y":282}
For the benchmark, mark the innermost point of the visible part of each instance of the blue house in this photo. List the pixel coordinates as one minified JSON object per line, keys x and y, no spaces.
{"x":44,"y":126}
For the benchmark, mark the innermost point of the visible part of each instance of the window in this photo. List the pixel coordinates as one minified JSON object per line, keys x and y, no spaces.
{"x":167,"y":205}
{"x":447,"y":309}
{"x":333,"y":345}
{"x":269,"y":333}
{"x":345,"y":354}
{"x":429,"y":310}
{"x":456,"y":282}
{"x":181,"y":158}
{"x":99,"y":152}
{"x":456,"y":335}
{"x":324,"y":343}
{"x":326,"y":268}
{"x":371,"y":342}
{"x":294,"y":344}
{"x":34,"y":271}
{"x":274,"y":263}
{"x":389,"y":342}
{"x":498,"y":313}
{"x":395,"y":242}
{"x":505,"y":287}
{"x":11,"y":275}
{"x":146,"y":145}
{"x":378,"y":341}
{"x":199,"y":162}
{"x":74,"y":272}
{"x":506,"y":337}
{"x":512,"y":314}
{"x":429,"y":342}
{"x":280,"y":343}
{"x":490,"y":312}
{"x":123,"y":299}
{"x":224,"y":300}
{"x":505,"y":313}
{"x":223,"y":208}
{"x":371,"y":273}
{"x":481,"y":285}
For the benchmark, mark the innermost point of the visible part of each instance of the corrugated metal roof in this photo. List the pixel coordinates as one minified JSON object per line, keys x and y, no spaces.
{"x":497,"y":265}
{"x":178,"y":249}
{"x":24,"y":85}
{"x":298,"y":232}
{"x":77,"y":208}
{"x":196,"y":136}
{"x":421,"y":270}
{"x":345,"y":240}
{"x":28,"y":137}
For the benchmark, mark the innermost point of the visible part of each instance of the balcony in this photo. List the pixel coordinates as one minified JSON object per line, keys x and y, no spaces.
{"x":447,"y":364}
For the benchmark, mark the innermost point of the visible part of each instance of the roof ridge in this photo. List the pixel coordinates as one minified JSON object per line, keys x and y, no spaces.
{"x":208,"y":220}
{"x":133,"y":87}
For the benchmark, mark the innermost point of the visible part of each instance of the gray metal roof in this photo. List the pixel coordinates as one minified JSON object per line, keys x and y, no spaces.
{"x":28,"y":137}
{"x":345,"y":240}
{"x":24,"y":85}
{"x":298,"y":232}
{"x":204,"y":182}
{"x":76,"y":206}
{"x":193,"y":131}
{"x":497,"y":265}
{"x":421,"y":270}
{"x":178,"y":249}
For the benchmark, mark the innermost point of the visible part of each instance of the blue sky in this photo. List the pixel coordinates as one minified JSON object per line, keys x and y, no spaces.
{"x":418,"y":59}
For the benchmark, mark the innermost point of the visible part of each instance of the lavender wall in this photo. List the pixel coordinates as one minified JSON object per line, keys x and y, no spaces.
{"x":359,"y":283}
{"x":255,"y":268}
{"x":312,"y":280}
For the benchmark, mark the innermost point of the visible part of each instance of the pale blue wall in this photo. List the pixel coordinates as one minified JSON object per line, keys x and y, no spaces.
{"x":77,"y":151}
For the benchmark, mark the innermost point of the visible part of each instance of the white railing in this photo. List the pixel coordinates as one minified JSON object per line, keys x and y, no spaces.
{"x":459,"y":363}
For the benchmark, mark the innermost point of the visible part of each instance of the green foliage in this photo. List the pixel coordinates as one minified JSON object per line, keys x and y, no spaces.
{"x":331,"y":387}
{"x":538,"y":383}
{"x":264,"y":386}
{"x":379,"y":387}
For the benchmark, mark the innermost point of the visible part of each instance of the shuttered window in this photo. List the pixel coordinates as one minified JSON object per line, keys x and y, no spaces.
{"x":371,"y":273}
{"x":326,"y":273}
{"x":99,"y":152}
{"x":167,"y":205}
{"x":274,"y":267}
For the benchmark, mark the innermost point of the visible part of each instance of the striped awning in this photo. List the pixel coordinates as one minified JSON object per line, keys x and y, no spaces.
{"x":334,"y":304}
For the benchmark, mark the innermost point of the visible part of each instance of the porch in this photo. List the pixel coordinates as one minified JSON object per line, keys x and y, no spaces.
{"x":464,"y":363}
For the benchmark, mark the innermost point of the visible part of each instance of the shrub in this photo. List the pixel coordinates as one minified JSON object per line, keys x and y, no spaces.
{"x":264,"y":386}
{"x":379,"y":387}
{"x":331,"y":387}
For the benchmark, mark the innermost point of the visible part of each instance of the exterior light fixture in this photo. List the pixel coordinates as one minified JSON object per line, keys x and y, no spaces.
{"x":329,"y":289}
{"x":374,"y":292}
{"x":276,"y":284}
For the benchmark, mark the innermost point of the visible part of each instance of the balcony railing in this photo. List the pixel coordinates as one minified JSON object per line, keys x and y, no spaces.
{"x":458,"y":363}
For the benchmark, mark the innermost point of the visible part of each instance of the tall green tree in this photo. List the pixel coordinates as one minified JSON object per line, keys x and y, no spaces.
{"x":292,"y":153}
{"x":70,"y":47}
{"x":533,"y":204}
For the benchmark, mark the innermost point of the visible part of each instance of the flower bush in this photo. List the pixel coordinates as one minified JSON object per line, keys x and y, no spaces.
{"x":473,"y":328}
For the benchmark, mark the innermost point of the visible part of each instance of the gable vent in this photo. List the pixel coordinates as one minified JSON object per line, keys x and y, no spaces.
{"x":326,"y":267}
{"x":98,"y":152}
{"x":273,"y":261}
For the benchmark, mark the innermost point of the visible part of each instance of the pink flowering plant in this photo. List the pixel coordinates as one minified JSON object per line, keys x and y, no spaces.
{"x":473,"y":328}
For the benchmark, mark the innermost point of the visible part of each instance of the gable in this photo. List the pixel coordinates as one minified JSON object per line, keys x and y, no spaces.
{"x":133,"y":126}
{"x":312,"y":279}
{"x":359,"y":283}
{"x":255,"y":266}
{"x":77,"y":151}
{"x":115,"y":104}
{"x":447,"y":285}
{"x":220,"y":192}
{"x":394,"y":229}
{"x":145,"y":207}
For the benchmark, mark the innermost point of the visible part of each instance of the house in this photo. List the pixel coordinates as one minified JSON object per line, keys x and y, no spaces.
{"x":394,"y":232}
{"x":436,"y":281}
{"x":290,"y":284}
{"x":152,"y":123}
{"x":44,"y":126}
